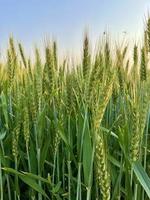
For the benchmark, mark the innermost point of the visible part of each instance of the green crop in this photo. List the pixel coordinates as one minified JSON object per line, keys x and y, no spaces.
{"x":75,"y":131}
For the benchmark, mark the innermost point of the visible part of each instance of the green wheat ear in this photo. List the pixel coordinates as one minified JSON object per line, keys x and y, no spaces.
{"x":102,"y":167}
{"x":26,"y":128}
{"x":55,"y":55}
{"x":124,"y":52}
{"x":107,"y":55}
{"x":10,"y":69}
{"x":100,"y":152}
{"x":147,"y":32}
{"x":134,"y":69}
{"x":135,"y":55}
{"x":22,"y":55}
{"x":13,"y":54}
{"x":143,"y":66}
{"x":48,"y":74}
{"x":12,"y":49}
{"x":17,"y":122}
{"x":30,"y":75}
{"x":94,"y":79}
{"x":139,"y":116}
{"x":127,"y":66}
{"x":146,"y":45}
{"x":120,"y":71}
{"x":135,"y":141}
{"x":86,"y":58}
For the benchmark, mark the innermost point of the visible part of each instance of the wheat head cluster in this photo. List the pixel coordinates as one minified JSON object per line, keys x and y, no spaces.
{"x":76,"y":131}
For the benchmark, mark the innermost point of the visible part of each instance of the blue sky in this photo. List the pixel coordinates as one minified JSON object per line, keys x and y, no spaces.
{"x":30,"y":21}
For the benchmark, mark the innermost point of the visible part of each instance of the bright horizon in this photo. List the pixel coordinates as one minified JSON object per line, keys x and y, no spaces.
{"x":32,"y":21}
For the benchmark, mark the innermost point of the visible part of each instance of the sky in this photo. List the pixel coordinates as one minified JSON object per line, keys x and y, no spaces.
{"x":31,"y":21}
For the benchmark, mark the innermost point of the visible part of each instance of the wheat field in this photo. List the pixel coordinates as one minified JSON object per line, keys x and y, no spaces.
{"x":76,"y":133}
